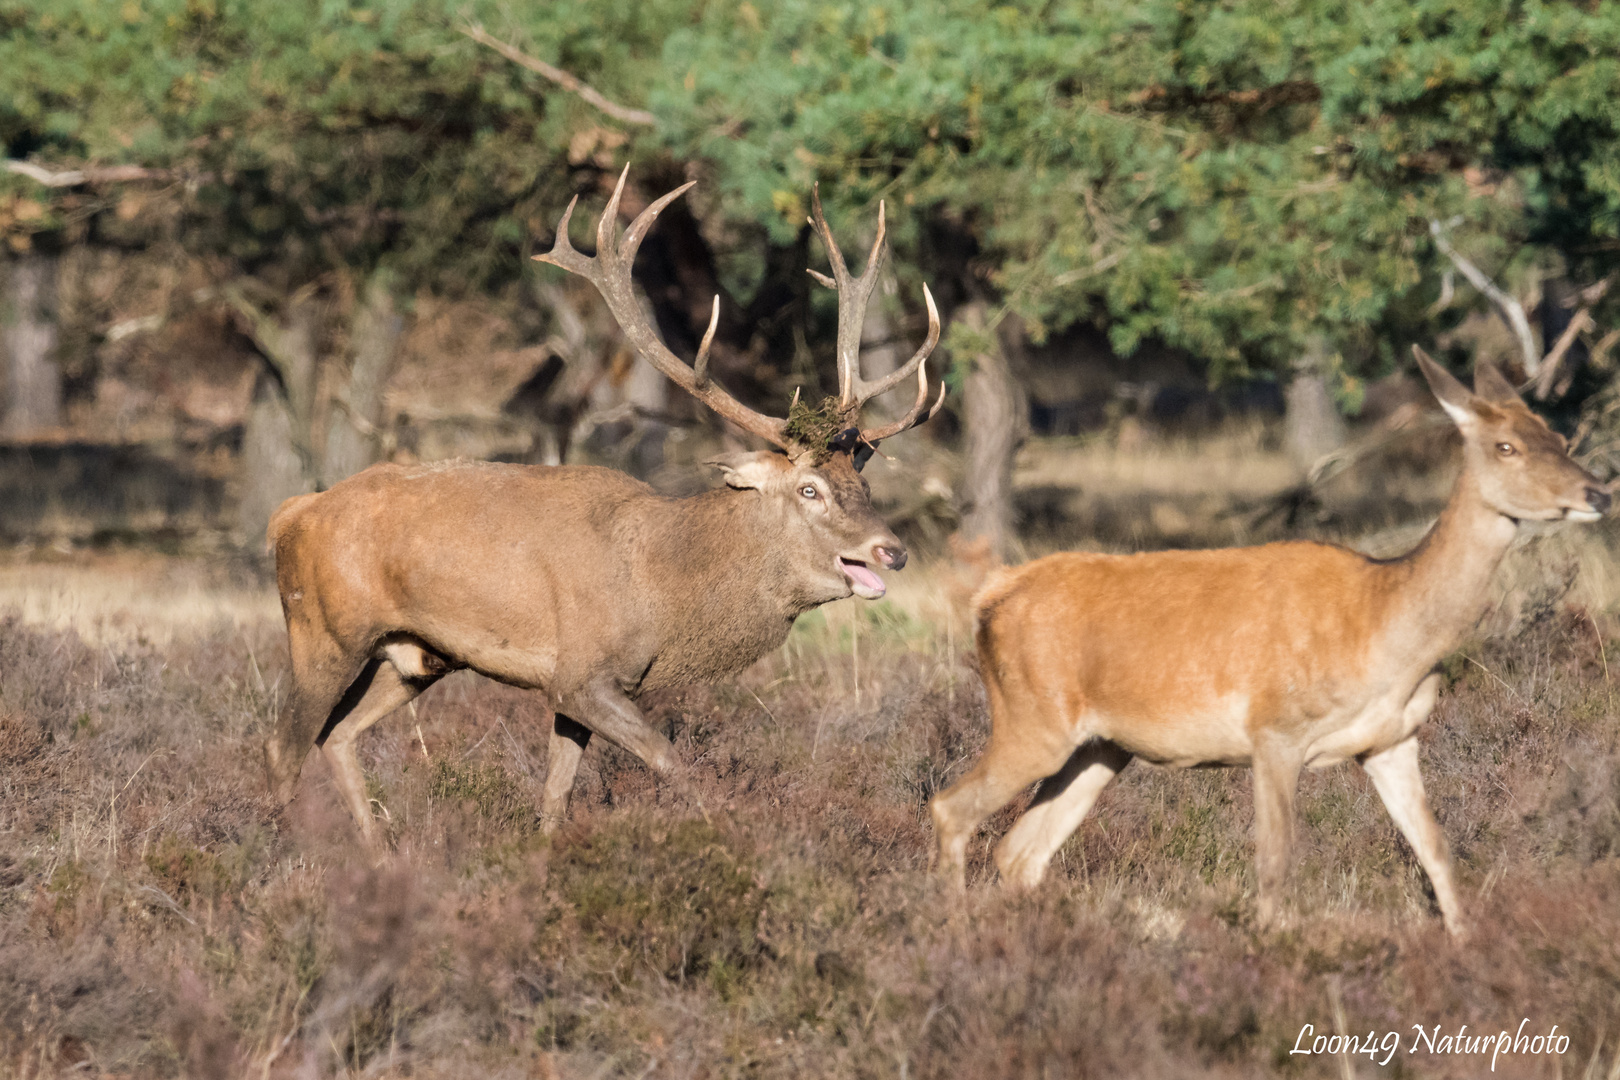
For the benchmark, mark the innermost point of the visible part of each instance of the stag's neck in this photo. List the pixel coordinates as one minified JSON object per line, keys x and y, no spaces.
{"x":724,"y":591}
{"x":1442,"y":587}
{"x":724,"y":543}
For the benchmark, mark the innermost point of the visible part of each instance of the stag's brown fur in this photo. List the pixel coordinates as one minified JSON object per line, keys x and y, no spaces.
{"x":580,"y":582}
{"x":1278,"y":657}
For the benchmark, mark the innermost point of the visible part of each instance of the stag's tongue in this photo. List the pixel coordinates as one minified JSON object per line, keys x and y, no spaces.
{"x":862,"y":575}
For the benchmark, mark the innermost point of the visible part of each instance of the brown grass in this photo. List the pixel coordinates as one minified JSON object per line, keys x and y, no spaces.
{"x":160,"y":917}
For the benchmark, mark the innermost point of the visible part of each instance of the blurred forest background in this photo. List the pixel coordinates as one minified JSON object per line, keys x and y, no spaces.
{"x":247,"y":249}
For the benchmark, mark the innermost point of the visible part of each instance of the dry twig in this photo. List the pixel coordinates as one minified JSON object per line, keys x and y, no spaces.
{"x":572,"y":84}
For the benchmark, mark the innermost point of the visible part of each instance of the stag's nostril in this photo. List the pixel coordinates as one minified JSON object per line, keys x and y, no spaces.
{"x":1598,"y":499}
{"x":893,"y":557}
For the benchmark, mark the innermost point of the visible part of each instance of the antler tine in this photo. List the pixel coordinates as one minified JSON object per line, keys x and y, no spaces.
{"x":913,"y":418}
{"x":644,"y":222}
{"x":853,"y":294}
{"x":563,"y":253}
{"x":818,"y":221}
{"x":866,"y":391}
{"x":700,"y":366}
{"x":609,"y":270}
{"x":608,"y":222}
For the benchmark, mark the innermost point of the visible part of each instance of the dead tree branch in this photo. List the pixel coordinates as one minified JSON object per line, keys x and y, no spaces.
{"x":1511,"y":311}
{"x":111,"y":175}
{"x":1549,"y":381}
{"x":573,"y":85}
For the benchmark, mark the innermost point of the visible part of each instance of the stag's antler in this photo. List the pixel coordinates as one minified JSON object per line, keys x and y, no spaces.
{"x":853,"y":294}
{"x":609,"y":271}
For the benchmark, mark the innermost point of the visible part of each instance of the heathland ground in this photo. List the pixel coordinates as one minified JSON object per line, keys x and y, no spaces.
{"x":159,"y":916}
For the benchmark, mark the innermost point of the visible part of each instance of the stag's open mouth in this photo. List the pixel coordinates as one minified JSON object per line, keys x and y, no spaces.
{"x":864,"y":583}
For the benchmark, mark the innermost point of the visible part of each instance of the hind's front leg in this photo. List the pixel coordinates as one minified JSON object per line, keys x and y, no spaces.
{"x":1399,"y":780}
{"x":1276,"y":776}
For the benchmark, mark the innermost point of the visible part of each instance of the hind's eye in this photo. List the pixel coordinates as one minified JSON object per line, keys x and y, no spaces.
{"x":809,"y":492}
{"x":1505,"y":449}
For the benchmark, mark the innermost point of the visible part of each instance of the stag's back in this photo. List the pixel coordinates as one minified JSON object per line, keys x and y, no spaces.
{"x":486,"y":562}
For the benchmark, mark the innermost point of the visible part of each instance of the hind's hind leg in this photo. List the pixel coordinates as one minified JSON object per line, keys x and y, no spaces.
{"x":1060,"y":805}
{"x":1009,"y":766}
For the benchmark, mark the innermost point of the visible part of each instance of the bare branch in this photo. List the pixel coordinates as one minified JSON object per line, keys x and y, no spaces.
{"x":1550,"y":376}
{"x":1511,"y":311}
{"x":573,"y":85}
{"x":111,"y":175}
{"x":1592,"y":293}
{"x":1600,"y":351}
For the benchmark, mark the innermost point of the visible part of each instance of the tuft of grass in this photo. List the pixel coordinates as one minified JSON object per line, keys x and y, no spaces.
{"x":483,"y":790}
{"x":679,"y":900}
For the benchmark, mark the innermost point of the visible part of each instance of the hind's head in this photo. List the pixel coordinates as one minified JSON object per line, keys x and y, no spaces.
{"x":1522,"y":466}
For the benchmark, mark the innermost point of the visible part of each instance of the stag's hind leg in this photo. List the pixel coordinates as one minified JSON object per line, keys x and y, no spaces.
{"x":1063,"y":801}
{"x":322,"y":671}
{"x":380,"y":690}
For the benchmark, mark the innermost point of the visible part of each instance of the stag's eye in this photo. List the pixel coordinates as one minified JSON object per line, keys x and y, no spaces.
{"x":1506,"y":449}
{"x":809,"y":492}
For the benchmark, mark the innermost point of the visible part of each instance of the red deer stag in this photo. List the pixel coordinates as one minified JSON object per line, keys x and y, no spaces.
{"x":582,"y":582}
{"x":1276,"y":657}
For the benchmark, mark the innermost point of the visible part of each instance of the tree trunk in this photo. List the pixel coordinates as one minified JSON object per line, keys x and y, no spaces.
{"x":272,"y":468}
{"x":278,"y":460}
{"x":1312,"y":424}
{"x":991,"y":403}
{"x":354,"y":429}
{"x":880,"y":355}
{"x":33,"y":380}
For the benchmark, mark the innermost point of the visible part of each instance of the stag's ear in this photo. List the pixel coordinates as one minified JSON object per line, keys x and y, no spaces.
{"x":1455,"y":398}
{"x":849,"y":442}
{"x":1492,"y":385}
{"x":751,"y":470}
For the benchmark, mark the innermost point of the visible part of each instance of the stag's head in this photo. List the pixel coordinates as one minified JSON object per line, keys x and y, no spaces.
{"x":1522,"y":466}
{"x":814,"y":482}
{"x":823,"y":519}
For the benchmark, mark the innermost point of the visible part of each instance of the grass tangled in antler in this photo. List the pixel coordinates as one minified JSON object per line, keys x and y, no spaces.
{"x":814,"y":426}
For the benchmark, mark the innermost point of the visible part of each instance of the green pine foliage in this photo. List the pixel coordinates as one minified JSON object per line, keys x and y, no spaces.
{"x":1234,"y":179}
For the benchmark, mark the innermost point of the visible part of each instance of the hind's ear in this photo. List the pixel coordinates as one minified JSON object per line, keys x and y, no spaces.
{"x":1492,"y":385}
{"x":751,"y":470}
{"x":1455,"y":398}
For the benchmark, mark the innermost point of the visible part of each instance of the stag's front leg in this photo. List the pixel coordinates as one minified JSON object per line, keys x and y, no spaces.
{"x":608,"y":711}
{"x":568,"y":741}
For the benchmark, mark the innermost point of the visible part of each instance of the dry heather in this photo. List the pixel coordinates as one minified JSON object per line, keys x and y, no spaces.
{"x":159,"y":917}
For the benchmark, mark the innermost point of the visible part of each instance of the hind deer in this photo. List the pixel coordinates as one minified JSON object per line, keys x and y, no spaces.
{"x":582,"y":582}
{"x":1279,"y":657}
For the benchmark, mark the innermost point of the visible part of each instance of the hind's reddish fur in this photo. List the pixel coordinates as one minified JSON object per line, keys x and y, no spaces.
{"x":1277,"y":657}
